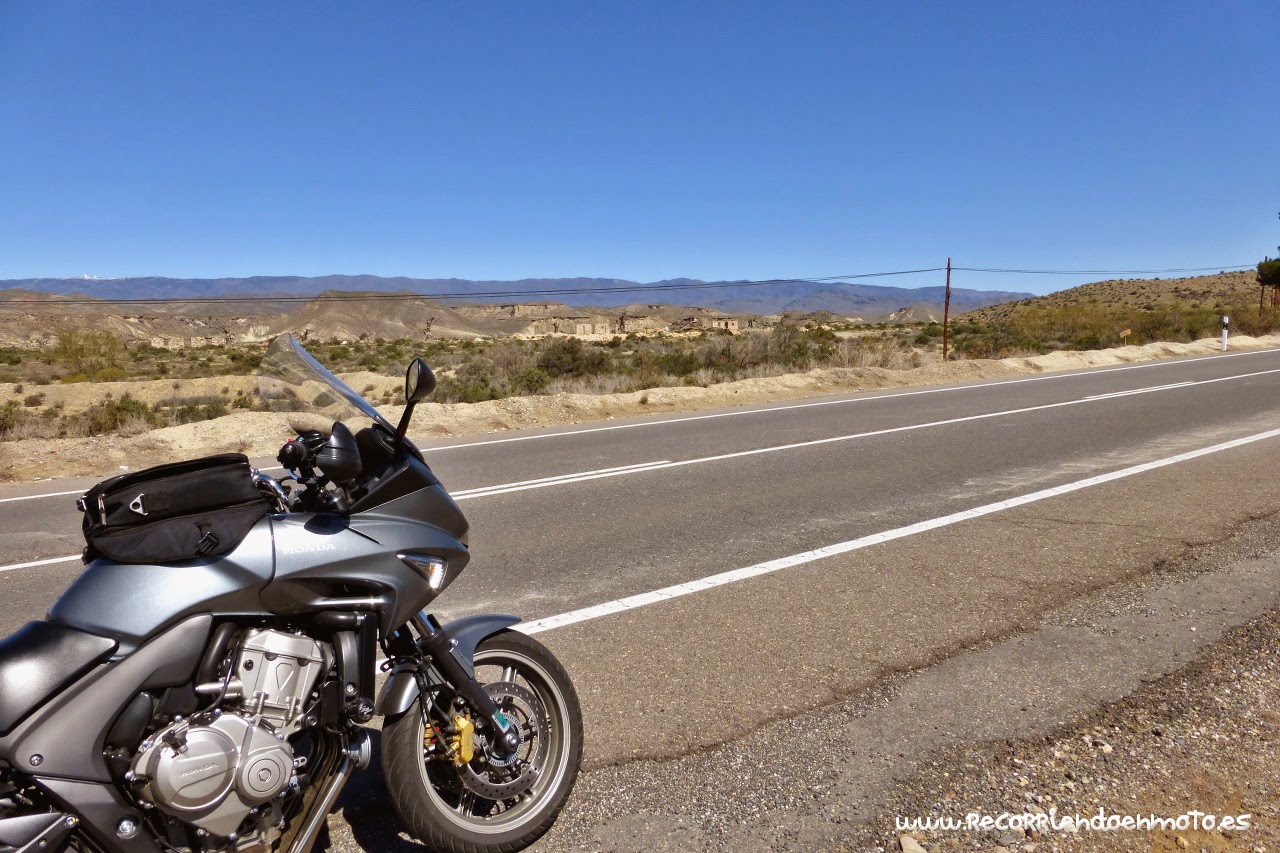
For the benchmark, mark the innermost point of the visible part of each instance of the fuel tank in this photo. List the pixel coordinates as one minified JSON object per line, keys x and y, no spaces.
{"x":131,"y":602}
{"x":287,"y":564}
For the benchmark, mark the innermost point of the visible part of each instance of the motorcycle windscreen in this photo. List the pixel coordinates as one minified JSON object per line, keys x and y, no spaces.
{"x":292,"y":382}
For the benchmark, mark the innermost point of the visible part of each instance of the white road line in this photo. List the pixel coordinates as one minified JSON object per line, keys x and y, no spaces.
{"x":658,"y":466}
{"x":556,"y":480}
{"x":644,"y":467}
{"x":1140,"y":391}
{"x":43,"y":495}
{"x":564,"y":481}
{"x":724,"y":578}
{"x":35,"y":563}
{"x":890,"y":395}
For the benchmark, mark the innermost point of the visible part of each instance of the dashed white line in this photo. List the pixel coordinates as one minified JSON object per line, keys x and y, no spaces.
{"x":554,"y":481}
{"x":861,"y":399}
{"x":644,"y":467}
{"x":1141,"y":390}
{"x":658,"y":466}
{"x":760,"y":411}
{"x":632,"y":602}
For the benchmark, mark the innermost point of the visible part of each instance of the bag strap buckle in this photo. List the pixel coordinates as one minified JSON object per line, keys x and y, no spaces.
{"x":208,"y":542}
{"x":138,"y":504}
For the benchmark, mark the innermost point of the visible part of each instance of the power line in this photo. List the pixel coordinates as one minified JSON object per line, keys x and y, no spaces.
{"x":1222,"y":268}
{"x":490,"y":294}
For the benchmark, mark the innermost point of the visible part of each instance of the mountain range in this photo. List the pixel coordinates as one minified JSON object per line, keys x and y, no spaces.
{"x":861,"y":300}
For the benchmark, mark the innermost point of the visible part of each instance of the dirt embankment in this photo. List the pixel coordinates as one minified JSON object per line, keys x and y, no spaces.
{"x":261,"y":433}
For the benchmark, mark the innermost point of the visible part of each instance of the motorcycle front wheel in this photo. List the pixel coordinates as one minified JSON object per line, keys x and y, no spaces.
{"x":494,"y":803}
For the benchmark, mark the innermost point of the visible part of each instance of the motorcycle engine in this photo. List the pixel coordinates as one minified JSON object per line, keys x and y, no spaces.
{"x":214,"y":769}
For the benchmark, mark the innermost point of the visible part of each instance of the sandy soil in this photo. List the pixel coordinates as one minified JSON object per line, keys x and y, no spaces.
{"x":261,"y":434}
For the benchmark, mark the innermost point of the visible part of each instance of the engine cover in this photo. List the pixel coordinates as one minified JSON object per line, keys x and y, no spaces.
{"x":275,"y":673}
{"x":213,"y":775}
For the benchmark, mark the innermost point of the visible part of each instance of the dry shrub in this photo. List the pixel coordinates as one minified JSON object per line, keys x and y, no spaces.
{"x":613,"y":383}
{"x":135,"y":425}
{"x":34,"y":428}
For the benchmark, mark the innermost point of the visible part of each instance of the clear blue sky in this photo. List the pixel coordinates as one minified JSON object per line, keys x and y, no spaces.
{"x":636,"y":140}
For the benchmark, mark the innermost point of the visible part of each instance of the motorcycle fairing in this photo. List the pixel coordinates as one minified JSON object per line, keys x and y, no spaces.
{"x":65,"y":737}
{"x":41,"y":659}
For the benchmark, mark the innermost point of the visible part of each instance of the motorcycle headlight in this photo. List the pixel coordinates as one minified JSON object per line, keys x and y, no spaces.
{"x":431,"y":568}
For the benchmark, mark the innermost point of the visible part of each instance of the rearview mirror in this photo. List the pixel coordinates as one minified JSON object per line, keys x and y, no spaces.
{"x":419,"y":382}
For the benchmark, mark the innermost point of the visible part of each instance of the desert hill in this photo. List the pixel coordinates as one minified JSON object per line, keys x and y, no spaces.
{"x":1225,"y":289}
{"x":29,"y":318}
{"x":343,"y":314}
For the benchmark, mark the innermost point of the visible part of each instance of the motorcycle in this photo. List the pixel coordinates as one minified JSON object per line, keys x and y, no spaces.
{"x":217,"y":703}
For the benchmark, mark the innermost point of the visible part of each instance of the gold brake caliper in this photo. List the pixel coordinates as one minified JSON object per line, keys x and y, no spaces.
{"x":463,"y":741}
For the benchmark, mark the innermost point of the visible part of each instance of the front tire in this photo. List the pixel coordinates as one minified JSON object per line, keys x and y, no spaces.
{"x":438,"y":801}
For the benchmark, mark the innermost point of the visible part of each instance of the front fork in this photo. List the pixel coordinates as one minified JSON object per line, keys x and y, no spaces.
{"x":436,"y":644}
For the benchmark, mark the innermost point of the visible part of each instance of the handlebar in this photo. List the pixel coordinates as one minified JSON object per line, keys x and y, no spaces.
{"x":299,"y":458}
{"x":270,"y":485}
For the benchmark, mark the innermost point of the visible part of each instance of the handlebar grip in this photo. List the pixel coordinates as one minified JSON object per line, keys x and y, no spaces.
{"x":293,"y":455}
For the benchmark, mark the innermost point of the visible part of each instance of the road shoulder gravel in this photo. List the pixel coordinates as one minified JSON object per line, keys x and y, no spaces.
{"x":979,"y":732}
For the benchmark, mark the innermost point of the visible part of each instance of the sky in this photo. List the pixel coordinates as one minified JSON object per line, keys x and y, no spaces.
{"x":645,"y":141}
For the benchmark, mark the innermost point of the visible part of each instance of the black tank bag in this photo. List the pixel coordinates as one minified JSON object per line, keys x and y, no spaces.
{"x":181,"y":511}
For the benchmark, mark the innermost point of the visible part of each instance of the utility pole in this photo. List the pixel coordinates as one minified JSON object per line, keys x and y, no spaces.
{"x":946,"y":313}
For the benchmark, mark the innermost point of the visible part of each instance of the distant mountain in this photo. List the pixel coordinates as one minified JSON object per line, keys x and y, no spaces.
{"x":861,"y":300}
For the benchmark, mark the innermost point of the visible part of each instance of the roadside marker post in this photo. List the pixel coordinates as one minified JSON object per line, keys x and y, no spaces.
{"x":1226,"y":322}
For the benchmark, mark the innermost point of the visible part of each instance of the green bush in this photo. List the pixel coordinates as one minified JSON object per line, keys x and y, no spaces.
{"x":789,"y":345}
{"x":10,"y":417}
{"x":109,"y":415}
{"x":568,"y":357}
{"x":205,"y":412}
{"x":679,"y":363}
{"x":85,"y":352}
{"x":244,"y":362}
{"x":532,"y":380}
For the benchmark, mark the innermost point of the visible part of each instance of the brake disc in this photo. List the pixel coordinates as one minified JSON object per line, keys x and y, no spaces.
{"x":501,"y":778}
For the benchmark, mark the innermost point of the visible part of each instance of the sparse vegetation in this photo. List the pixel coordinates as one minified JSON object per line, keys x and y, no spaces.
{"x":492,"y":370}
{"x":124,"y":415}
{"x":1094,"y":316}
{"x":1031,"y":329}
{"x":479,"y":369}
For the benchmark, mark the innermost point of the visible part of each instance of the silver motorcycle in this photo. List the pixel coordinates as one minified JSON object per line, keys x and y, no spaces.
{"x":217,"y":702}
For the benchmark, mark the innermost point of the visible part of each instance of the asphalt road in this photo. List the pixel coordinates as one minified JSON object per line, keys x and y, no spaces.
{"x":573,"y":518}
{"x":752,"y":484}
